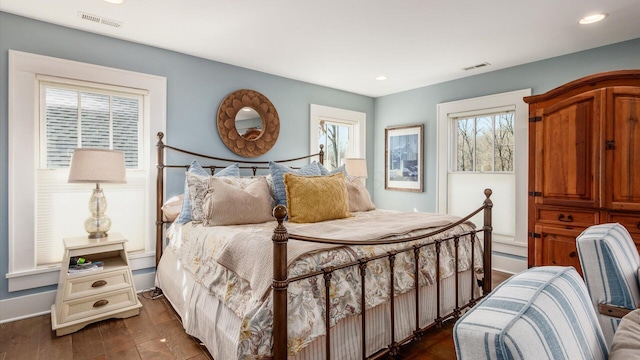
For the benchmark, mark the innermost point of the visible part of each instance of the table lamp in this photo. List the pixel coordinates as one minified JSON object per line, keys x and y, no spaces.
{"x":356,"y":167}
{"x":91,"y":165}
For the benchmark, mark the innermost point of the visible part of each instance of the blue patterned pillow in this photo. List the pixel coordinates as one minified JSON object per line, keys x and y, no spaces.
{"x":195,"y":168}
{"x":277,"y":173}
{"x":325,"y":172}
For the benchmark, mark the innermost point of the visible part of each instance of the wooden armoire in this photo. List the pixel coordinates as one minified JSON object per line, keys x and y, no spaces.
{"x":584,"y":163}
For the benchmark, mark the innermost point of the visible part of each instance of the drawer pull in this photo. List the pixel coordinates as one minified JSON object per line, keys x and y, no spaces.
{"x":99,"y":283}
{"x":562,"y":218}
{"x":638,"y":225}
{"x":100,"y":303}
{"x":572,"y":254}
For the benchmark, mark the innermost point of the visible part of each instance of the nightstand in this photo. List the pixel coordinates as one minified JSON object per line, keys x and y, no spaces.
{"x":86,"y":297}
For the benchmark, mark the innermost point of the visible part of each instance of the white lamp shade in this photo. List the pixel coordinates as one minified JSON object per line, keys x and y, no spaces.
{"x":356,"y":167}
{"x":92,"y":165}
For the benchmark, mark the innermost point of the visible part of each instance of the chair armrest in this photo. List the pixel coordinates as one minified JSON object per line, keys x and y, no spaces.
{"x":613,"y":310}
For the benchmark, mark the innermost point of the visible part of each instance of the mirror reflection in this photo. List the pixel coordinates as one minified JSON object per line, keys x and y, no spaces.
{"x":248,"y":123}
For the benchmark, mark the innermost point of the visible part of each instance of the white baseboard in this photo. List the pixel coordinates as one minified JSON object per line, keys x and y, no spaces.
{"x":144,"y":281}
{"x":508,"y":264}
{"x":37,"y":304}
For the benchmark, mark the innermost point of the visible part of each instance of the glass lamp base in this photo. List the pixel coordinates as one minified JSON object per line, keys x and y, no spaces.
{"x":98,"y":224}
{"x":98,"y":235}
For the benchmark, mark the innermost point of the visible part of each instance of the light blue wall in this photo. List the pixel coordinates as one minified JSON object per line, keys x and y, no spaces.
{"x":420,"y":106}
{"x":195,"y":89}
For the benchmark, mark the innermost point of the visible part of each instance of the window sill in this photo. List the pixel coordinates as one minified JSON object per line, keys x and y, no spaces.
{"x":35,"y":278}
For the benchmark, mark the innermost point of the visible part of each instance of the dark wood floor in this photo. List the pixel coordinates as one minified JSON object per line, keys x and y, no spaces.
{"x":156,"y":334}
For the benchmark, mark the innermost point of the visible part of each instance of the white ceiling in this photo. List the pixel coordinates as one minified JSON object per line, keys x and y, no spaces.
{"x":345,"y":44}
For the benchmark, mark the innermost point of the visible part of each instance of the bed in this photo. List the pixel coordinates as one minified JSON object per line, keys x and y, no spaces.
{"x":260,"y":289}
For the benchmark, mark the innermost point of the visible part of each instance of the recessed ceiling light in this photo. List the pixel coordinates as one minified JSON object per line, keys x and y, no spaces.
{"x":592,"y":19}
{"x":381,"y":77}
{"x":115,"y":1}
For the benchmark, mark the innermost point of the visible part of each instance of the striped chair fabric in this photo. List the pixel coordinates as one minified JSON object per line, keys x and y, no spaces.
{"x":540,"y":313}
{"x":610,"y":263}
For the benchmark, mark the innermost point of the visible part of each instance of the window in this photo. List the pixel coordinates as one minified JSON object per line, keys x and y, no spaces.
{"x":56,"y":105}
{"x":485,"y":142}
{"x":342,"y":132}
{"x":75,"y":115}
{"x":337,"y":138}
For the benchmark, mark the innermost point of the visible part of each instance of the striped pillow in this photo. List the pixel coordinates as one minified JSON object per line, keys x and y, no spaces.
{"x":540,"y":313}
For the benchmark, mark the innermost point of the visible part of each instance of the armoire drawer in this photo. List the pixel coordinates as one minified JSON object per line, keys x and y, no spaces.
{"x":630,"y":221}
{"x":566,"y":217}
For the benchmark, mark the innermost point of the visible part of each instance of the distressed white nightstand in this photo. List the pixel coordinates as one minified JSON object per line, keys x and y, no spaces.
{"x":87,"y":297}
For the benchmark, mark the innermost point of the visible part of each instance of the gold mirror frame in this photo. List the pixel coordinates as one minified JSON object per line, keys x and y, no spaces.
{"x":227,"y":123}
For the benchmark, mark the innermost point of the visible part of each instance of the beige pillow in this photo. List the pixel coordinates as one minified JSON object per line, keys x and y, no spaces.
{"x":316,"y":198}
{"x":359,"y":198}
{"x":229,"y":201}
{"x":171,"y":208}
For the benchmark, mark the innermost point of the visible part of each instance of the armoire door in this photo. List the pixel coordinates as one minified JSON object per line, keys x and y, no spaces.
{"x":566,"y":151}
{"x":622,"y":144}
{"x":556,"y":246}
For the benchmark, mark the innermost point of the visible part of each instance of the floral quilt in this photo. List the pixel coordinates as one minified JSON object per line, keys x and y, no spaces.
{"x":198,"y":247}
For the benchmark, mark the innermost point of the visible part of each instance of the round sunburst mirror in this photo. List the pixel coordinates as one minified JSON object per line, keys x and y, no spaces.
{"x":248,"y":123}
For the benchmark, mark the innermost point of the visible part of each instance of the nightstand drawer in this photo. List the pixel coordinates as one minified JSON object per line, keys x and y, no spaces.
{"x":86,"y":307}
{"x":99,"y":283}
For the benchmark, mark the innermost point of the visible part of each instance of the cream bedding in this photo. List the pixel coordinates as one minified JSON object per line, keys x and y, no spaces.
{"x":201,"y":249}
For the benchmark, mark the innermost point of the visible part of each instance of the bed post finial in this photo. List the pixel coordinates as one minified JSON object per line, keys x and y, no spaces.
{"x":488,"y":193}
{"x":321,"y":154}
{"x":160,"y":136}
{"x":280,"y":284}
{"x":280,"y":212}
{"x":488,"y":229}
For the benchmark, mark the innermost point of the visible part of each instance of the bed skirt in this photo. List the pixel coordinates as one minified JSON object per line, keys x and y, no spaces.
{"x":207,"y":319}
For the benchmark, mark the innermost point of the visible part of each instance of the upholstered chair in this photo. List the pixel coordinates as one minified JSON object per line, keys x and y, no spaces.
{"x":540,"y":313}
{"x":610,"y":263}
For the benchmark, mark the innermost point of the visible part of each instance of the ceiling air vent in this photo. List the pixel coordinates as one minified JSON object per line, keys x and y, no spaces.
{"x":99,"y":19}
{"x":476,"y":66}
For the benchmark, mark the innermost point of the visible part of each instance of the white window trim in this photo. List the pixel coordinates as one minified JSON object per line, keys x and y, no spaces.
{"x":521,"y":167}
{"x":23,"y":109}
{"x":318,"y":113}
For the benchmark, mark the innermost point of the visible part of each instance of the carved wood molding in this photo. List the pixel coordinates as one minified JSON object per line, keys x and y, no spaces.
{"x":595,"y":81}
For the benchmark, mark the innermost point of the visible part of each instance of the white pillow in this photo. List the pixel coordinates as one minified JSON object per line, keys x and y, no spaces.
{"x":171,"y":208}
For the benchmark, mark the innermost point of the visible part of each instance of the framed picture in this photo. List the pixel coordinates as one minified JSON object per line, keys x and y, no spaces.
{"x":403,"y":158}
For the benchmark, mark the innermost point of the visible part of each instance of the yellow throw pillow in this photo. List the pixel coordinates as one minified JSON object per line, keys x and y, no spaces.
{"x":316,"y":198}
